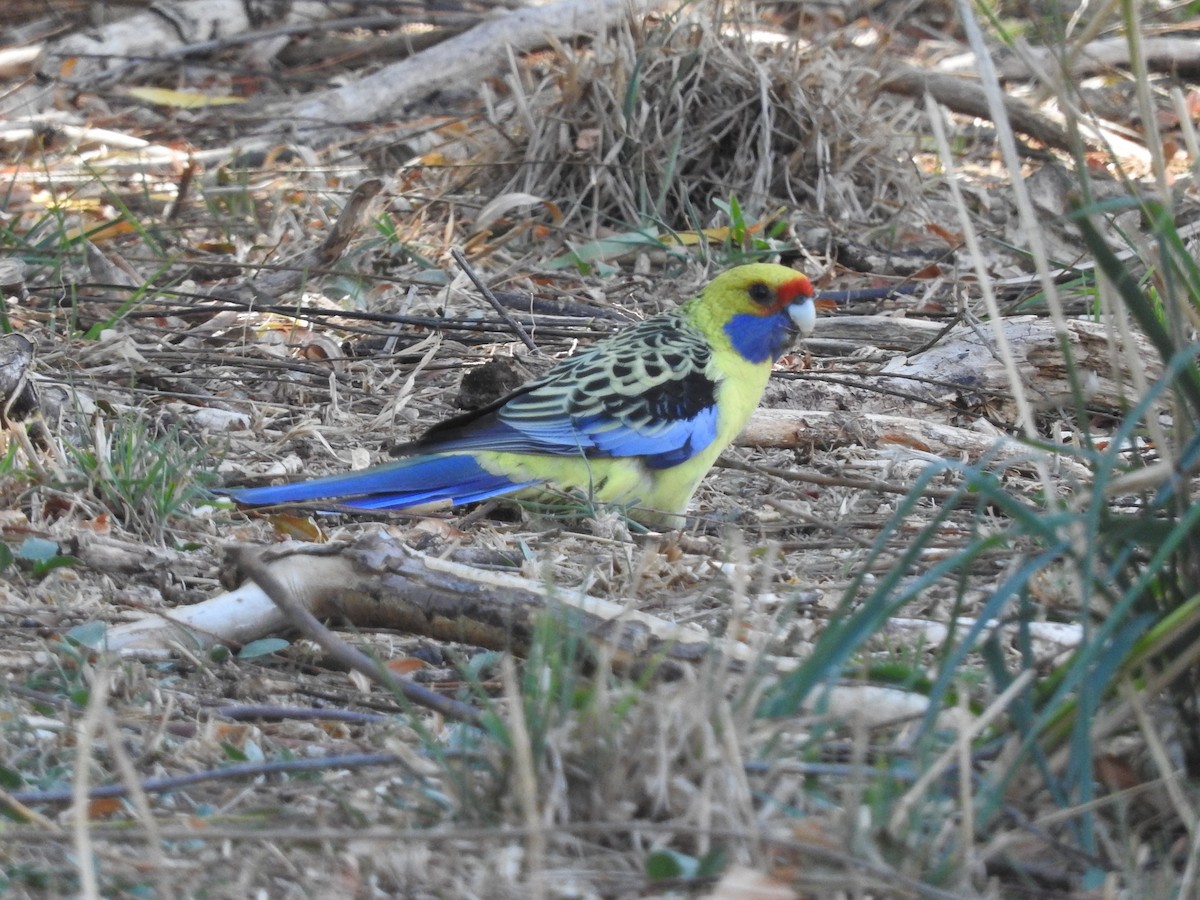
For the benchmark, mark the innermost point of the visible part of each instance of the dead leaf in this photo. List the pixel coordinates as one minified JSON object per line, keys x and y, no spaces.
{"x":744,"y":883}
{"x":506,"y":203}
{"x":104,"y":807}
{"x":179,"y":99}
{"x":300,"y":528}
{"x":406,"y":665}
{"x":953,"y":238}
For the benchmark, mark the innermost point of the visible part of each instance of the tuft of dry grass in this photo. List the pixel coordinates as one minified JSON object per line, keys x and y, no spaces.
{"x":660,"y":121}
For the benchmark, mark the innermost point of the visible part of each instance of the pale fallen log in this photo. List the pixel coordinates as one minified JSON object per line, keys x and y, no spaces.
{"x":232,"y":619}
{"x":167,"y":27}
{"x":458,"y":62}
{"x":966,"y":365}
{"x":1165,"y":53}
{"x":956,"y":371}
{"x":378,"y":582}
{"x":961,"y":367}
{"x":884,"y":332}
{"x":800,"y":428}
{"x":82,"y":58}
{"x":968,"y":97}
{"x":1049,"y":638}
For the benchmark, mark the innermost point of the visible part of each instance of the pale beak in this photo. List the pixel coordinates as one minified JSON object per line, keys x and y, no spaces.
{"x":803,"y":315}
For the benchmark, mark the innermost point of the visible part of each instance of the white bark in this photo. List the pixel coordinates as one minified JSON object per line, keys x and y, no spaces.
{"x":142,"y":34}
{"x":460,"y":61}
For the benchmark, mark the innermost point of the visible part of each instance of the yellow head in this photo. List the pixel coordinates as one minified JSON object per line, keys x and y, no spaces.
{"x":759,"y":309}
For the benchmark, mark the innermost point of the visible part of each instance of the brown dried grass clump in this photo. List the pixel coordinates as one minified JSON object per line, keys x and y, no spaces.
{"x":656,"y":123}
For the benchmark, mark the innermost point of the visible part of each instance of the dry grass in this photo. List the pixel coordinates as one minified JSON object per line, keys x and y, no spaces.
{"x":605,"y":773}
{"x":656,"y":124}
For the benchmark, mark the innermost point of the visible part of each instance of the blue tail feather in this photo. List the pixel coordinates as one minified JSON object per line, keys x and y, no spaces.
{"x":456,"y":478}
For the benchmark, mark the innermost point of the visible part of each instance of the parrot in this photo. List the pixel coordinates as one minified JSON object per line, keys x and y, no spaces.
{"x":635,"y":421}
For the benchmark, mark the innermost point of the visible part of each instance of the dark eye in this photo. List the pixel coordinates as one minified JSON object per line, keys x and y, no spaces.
{"x":760,"y":293}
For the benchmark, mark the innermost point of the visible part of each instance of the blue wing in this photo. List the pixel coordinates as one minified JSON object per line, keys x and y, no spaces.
{"x":645,"y":393}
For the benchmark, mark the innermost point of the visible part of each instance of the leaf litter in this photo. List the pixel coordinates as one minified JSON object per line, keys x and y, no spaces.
{"x":648,"y":129}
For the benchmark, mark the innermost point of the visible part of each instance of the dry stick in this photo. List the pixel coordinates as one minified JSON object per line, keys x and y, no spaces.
{"x":348,"y":224}
{"x":526,"y":772}
{"x":969,"y":97}
{"x":864,"y":484}
{"x":1040,"y":829}
{"x":141,"y":803}
{"x":250,"y":564}
{"x":966,"y":797}
{"x":17,"y":805}
{"x":175,"y":782}
{"x":259,"y":712}
{"x":317,"y":27}
{"x":512,"y":323}
{"x":85,"y":854}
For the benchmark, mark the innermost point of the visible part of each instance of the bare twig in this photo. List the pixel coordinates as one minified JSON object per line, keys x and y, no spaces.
{"x":255,"y":570}
{"x":89,"y":725}
{"x":176,"y":782}
{"x":491,"y":298}
{"x":968,"y":97}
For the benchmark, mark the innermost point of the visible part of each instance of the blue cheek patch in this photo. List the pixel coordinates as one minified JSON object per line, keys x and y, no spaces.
{"x":758,"y":339}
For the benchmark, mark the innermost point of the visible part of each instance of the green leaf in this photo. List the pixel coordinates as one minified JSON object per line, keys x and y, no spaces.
{"x":89,"y":634}
{"x":219,"y":653}
{"x":263,"y":647}
{"x":58,"y":562}
{"x":594,"y":253}
{"x":712,"y":863}
{"x":670,"y":864}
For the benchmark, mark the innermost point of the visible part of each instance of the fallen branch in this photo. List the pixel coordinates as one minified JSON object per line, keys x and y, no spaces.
{"x":377,"y":582}
{"x":349,"y":225}
{"x":876,"y":431}
{"x":1180,"y":55}
{"x":237,"y":770}
{"x":86,"y":58}
{"x":179,"y":28}
{"x":460,"y":61}
{"x":964,"y":367}
{"x":960,"y":369}
{"x":281,"y":594}
{"x":967,"y":97}
{"x":1054,"y":638}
